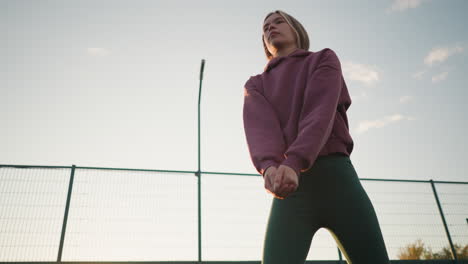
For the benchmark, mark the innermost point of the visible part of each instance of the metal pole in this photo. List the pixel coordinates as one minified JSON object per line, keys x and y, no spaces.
{"x":198,"y":173}
{"x":454,"y":253}
{"x":65,"y":218}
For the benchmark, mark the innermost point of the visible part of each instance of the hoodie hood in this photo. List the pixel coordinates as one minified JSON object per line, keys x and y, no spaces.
{"x":277,"y":60}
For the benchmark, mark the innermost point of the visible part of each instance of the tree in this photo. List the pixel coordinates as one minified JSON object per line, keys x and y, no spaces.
{"x":412,"y":251}
{"x":419,"y":251}
{"x":446,"y":252}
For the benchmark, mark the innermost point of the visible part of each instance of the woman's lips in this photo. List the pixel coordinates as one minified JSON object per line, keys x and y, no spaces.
{"x":273,"y":34}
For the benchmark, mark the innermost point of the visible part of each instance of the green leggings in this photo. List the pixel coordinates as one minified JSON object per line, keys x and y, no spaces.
{"x":331,"y":196}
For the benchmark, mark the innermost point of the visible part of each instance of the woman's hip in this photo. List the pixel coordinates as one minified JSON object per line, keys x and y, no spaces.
{"x":329,"y":177}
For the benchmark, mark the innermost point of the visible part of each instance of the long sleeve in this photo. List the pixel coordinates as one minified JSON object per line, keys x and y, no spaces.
{"x":317,"y":115}
{"x":262,"y":128}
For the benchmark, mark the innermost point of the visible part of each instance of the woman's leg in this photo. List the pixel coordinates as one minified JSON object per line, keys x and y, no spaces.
{"x":350,"y":216}
{"x":290,"y":228}
{"x":329,"y":195}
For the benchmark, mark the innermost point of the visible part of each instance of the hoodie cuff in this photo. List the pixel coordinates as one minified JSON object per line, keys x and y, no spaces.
{"x":265,"y":165}
{"x":294,"y":163}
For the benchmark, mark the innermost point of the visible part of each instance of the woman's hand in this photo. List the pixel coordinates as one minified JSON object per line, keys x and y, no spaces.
{"x":269,"y":177}
{"x":281,"y":181}
{"x":285,"y":182}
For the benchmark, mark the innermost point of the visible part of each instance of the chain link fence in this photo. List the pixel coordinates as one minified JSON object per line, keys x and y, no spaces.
{"x":54,"y":214}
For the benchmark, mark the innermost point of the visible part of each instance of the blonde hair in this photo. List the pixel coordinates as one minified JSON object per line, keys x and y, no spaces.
{"x":302,"y":38}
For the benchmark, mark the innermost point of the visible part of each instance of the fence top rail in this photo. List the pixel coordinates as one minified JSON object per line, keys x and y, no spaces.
{"x":91,"y":168}
{"x":201,"y":172}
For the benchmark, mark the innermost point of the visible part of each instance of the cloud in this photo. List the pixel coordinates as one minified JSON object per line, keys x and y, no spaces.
{"x":402,"y":5}
{"x":362,"y":95}
{"x":405,"y":99}
{"x":360,"y":72}
{"x":418,"y":75}
{"x":441,"y":54}
{"x":379,"y":123}
{"x":438,"y":55}
{"x":98,"y":51}
{"x":439,"y":77}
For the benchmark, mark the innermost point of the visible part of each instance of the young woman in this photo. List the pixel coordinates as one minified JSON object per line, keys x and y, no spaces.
{"x":298,"y":137}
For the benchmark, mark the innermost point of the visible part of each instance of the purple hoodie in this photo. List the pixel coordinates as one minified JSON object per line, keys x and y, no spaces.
{"x":295,"y":111}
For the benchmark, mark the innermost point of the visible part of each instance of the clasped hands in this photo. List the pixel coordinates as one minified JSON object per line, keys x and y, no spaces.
{"x":281,"y":181}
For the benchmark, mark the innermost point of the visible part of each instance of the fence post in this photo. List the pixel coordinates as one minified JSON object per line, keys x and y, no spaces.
{"x":65,"y":218}
{"x":454,"y":253}
{"x":339,"y":255}
{"x":198,"y":175}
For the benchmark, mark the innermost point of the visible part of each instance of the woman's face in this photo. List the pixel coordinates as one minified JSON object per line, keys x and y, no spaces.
{"x":277,"y":34}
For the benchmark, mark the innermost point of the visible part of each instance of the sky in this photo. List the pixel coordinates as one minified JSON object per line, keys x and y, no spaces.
{"x":115,"y":83}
